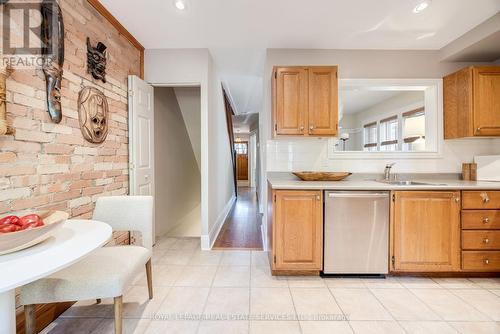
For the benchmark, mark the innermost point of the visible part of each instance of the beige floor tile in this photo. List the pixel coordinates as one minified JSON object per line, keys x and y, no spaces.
{"x":90,"y":309}
{"x":228,"y":302}
{"x":483,"y":300}
{"x":274,"y":327}
{"x":198,"y":276}
{"x":72,"y":325}
{"x":360,"y":304}
{"x":325,"y":327}
{"x":418,"y":283}
{"x":163,"y":275}
{"x":236,"y":258}
{"x":181,"y":300}
{"x":271,"y":302}
{"x":427,"y":327}
{"x":186,"y":244}
{"x":177,"y":257}
{"x":232,"y":276}
{"x":495,"y":291}
{"x":165,"y":243}
{"x":476,"y":327}
{"x":260,"y":258}
{"x":344,"y":282}
{"x":130,"y":326}
{"x":455,"y":283}
{"x":223,"y":327}
{"x":487,"y":283}
{"x":312,"y":302}
{"x":158,"y":255}
{"x":206,"y":258}
{"x":382,"y":283}
{"x":172,"y":327}
{"x":376,"y":327}
{"x":260,"y":277}
{"x":305,"y":282}
{"x":403,"y":305}
{"x":136,"y":302}
{"x":448,"y":306}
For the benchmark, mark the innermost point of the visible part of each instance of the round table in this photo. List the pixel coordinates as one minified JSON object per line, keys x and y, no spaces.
{"x":71,"y":242}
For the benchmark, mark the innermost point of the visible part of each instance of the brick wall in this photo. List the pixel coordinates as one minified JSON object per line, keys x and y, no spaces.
{"x":50,"y":166}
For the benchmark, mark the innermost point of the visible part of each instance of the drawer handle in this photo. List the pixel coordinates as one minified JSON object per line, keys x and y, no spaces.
{"x":486,"y":220}
{"x":486,"y":240}
{"x":485,"y":197}
{"x":486,"y":261}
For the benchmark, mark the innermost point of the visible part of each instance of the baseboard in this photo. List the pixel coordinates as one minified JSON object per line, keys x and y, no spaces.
{"x":207,"y":241}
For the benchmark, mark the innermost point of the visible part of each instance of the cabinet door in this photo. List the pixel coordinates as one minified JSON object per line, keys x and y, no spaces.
{"x":487,"y":101}
{"x":323,"y":101}
{"x":290,"y":105}
{"x":298,"y":230}
{"x":426,"y":231}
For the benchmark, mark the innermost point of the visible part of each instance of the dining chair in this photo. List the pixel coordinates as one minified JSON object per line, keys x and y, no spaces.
{"x":104,"y":273}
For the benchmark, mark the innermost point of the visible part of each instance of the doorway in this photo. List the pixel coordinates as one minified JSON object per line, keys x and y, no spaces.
{"x":241,"y":148}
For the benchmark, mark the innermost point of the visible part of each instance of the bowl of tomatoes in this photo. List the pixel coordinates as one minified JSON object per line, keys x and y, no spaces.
{"x":20,"y":232}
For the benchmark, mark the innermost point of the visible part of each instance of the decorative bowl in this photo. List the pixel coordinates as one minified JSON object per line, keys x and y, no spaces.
{"x":322,"y":176}
{"x":15,"y":241}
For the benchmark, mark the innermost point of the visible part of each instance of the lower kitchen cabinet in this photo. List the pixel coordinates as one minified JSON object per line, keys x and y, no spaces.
{"x":425,"y":231}
{"x":297,"y":231}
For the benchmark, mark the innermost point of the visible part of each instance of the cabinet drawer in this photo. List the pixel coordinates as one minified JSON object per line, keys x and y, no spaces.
{"x":480,"y":219}
{"x":481,"y":261}
{"x":481,"y":240}
{"x":480,"y":199}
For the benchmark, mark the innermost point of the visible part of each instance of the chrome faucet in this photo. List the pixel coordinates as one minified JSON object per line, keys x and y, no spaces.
{"x":387,"y":171}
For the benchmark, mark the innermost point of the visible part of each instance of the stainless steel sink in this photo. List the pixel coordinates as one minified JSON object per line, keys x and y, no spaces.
{"x":404,"y":182}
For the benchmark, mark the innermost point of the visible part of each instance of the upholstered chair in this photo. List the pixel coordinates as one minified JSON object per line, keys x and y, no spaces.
{"x":106,"y":272}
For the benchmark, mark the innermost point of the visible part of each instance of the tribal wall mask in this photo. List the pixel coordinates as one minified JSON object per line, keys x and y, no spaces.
{"x":93,"y":114}
{"x":96,"y":60}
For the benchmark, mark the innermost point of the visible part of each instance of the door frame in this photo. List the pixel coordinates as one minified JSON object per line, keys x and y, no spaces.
{"x":246,"y":182}
{"x":204,"y":145}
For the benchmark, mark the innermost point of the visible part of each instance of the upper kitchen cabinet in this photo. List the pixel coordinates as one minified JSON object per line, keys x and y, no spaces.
{"x":305,"y":101}
{"x":472,"y":102}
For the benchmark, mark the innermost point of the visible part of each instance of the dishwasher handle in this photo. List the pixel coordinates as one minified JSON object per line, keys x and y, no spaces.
{"x":358,"y":195}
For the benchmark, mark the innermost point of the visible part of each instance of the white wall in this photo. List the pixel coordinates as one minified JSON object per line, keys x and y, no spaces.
{"x":178,"y":67}
{"x":190,"y":104}
{"x":177,"y":176}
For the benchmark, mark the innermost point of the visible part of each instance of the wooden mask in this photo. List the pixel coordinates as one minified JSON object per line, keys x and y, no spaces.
{"x":93,"y":114}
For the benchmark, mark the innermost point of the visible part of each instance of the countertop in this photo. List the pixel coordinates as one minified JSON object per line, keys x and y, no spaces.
{"x":284,"y":180}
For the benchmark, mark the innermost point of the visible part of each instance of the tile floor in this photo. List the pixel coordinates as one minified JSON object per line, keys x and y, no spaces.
{"x":215,"y":291}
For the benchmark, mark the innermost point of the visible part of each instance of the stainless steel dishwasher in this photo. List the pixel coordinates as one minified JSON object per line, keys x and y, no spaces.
{"x":356,"y":233}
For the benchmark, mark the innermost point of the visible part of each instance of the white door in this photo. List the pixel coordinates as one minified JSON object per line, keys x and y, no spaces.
{"x":141,"y":136}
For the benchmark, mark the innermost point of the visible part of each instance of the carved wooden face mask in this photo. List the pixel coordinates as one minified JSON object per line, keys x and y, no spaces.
{"x":93,"y":114}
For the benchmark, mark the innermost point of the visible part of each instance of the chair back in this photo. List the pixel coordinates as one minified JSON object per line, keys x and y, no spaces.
{"x":127,"y":213}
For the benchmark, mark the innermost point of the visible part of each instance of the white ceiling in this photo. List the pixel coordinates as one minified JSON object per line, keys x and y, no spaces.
{"x":237,"y":32}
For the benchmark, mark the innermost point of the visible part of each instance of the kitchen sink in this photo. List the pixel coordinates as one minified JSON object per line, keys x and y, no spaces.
{"x":405,"y":183}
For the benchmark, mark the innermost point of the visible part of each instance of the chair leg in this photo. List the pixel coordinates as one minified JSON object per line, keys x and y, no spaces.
{"x":98,"y":300}
{"x":118,"y":301}
{"x":149,"y":275}
{"x":29,"y":319}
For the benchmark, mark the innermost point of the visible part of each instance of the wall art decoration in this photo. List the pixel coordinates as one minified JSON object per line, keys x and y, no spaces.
{"x":93,"y":114}
{"x":5,"y":129}
{"x":53,"y":54}
{"x":96,"y":60}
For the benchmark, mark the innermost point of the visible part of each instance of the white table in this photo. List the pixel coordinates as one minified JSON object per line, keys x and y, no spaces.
{"x":71,"y":242}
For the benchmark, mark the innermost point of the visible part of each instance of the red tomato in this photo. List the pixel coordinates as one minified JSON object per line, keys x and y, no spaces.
{"x":28,"y":219}
{"x":7,"y":228}
{"x":32,"y":225}
{"x":10,"y":220}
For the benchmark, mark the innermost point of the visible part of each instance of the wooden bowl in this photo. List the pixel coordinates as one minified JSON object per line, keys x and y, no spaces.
{"x":15,"y":241}
{"x":322,"y":176}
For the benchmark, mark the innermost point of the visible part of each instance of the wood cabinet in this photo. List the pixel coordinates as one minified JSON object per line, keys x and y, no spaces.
{"x":297,"y":231}
{"x":305,"y":101}
{"x":472,"y":102}
{"x":425,"y":231}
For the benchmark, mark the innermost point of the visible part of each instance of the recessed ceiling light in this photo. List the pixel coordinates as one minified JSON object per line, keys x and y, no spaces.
{"x":421,"y":6}
{"x":180,"y":4}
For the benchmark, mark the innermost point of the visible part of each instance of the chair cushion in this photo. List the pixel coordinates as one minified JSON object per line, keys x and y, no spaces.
{"x":104,"y":273}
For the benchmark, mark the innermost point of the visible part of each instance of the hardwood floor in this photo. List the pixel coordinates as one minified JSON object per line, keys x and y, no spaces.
{"x":241,"y":230}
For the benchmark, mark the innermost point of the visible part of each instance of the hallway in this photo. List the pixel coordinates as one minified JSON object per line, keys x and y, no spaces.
{"x":241,"y":230}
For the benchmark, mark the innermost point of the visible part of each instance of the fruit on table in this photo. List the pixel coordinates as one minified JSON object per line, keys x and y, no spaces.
{"x":14,"y":223}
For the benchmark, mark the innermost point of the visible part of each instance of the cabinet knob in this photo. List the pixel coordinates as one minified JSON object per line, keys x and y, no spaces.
{"x":478,"y":129}
{"x":301,"y":128}
{"x":486,"y":261}
{"x":318,"y":197}
{"x":311,"y":127}
{"x":457,"y":199}
{"x":486,"y":220}
{"x":486,"y":240}
{"x":485,"y":197}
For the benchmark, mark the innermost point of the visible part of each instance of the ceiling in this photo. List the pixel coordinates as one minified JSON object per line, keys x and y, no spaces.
{"x":237,"y":32}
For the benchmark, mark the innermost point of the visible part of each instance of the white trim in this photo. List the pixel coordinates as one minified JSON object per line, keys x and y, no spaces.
{"x":263,"y":230}
{"x":207,"y":240}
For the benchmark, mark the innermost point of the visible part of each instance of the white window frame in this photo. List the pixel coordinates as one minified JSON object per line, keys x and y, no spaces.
{"x":433,"y":104}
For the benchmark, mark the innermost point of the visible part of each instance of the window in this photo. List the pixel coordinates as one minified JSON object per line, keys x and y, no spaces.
{"x":370,"y":136}
{"x":241,"y":148}
{"x":389,"y":133}
{"x":414,"y":130}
